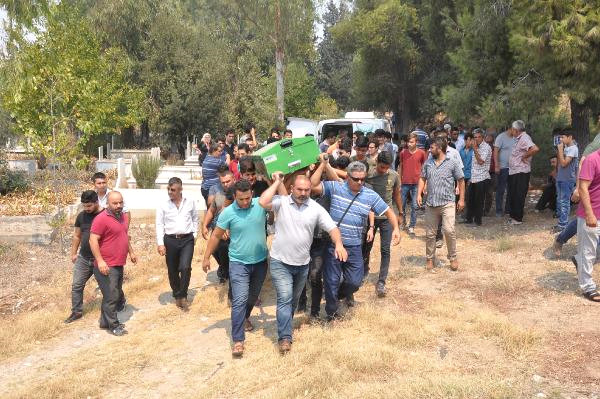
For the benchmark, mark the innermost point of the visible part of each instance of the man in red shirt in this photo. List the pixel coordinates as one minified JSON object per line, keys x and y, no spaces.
{"x":409,"y":168}
{"x":109,"y":242}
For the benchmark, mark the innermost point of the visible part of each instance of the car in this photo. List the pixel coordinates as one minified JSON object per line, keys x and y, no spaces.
{"x":352,"y":125}
{"x":301,"y":127}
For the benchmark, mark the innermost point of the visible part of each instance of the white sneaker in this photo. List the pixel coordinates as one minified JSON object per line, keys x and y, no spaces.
{"x":411,"y":230}
{"x":514,"y":222}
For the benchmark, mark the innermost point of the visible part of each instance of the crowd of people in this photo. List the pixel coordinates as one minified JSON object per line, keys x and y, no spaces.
{"x":324,"y":218}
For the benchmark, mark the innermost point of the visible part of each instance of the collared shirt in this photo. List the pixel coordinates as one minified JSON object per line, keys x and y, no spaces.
{"x":590,"y":171}
{"x":351,"y":226}
{"x":173,"y":220}
{"x":479,"y":172}
{"x":103,"y":201}
{"x":440,"y":181}
{"x":247,"y":231}
{"x":210,"y":176}
{"x":516,"y":164}
{"x":295,"y":225}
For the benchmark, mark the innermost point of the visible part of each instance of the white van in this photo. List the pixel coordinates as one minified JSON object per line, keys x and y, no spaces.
{"x":351,"y":125}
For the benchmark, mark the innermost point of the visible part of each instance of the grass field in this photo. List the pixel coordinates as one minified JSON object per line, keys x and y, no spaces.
{"x":510,"y":324}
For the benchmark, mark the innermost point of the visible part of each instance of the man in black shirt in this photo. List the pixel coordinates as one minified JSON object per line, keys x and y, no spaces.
{"x":84,"y":261}
{"x":248,"y":172}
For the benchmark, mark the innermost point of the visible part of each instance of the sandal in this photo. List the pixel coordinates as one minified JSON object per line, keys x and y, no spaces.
{"x":248,"y":325}
{"x":593,"y":296}
{"x":238,"y":349}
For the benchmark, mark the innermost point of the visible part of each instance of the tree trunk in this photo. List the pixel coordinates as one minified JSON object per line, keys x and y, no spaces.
{"x":127,"y":137}
{"x":145,"y":134}
{"x":580,"y":121}
{"x":402,"y":113}
{"x":279,"y":65}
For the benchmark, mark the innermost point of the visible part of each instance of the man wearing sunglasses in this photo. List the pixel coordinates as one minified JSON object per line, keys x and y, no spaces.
{"x":351,"y":203}
{"x":176,"y":232}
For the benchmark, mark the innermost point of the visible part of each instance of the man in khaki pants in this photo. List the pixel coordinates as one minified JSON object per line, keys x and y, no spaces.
{"x":439,"y":174}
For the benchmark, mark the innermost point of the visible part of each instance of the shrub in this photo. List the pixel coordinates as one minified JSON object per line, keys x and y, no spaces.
{"x":145,"y":170}
{"x":12,"y":180}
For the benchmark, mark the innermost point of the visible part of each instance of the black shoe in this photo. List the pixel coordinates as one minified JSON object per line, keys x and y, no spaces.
{"x":574,"y":260}
{"x":350,"y":300}
{"x":222,"y":280}
{"x":74,"y":316}
{"x":121,"y":307}
{"x":466,"y":221}
{"x":380,"y":289}
{"x":301,"y":306}
{"x":118,"y":331}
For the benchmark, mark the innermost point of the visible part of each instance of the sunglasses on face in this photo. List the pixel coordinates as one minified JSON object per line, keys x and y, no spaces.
{"x":357,"y":179}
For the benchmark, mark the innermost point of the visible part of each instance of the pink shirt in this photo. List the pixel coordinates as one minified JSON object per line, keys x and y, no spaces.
{"x":590,"y":171}
{"x":114,"y":240}
{"x":516,"y":164}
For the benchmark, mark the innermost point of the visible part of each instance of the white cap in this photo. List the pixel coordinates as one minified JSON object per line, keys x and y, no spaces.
{"x":447,"y":126}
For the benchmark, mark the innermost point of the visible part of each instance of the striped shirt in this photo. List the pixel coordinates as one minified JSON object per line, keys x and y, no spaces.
{"x":352,"y":224}
{"x":440,"y":181}
{"x":479,"y":172}
{"x":210,"y":177}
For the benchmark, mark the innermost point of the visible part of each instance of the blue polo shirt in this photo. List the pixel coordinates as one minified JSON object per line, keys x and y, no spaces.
{"x":247,"y":231}
{"x":356,"y":217}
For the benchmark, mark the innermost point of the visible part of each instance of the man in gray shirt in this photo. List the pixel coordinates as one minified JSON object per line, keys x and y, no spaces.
{"x":296,"y":218}
{"x":502,"y":149}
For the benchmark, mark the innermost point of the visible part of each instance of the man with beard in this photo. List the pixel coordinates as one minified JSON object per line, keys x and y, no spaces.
{"x":297,"y":216}
{"x":440,"y":173}
{"x":176,"y":232}
{"x":109,"y":242}
{"x":83,"y":267}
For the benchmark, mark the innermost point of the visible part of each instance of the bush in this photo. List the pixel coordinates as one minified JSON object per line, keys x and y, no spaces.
{"x":145,"y":170}
{"x":12,"y":180}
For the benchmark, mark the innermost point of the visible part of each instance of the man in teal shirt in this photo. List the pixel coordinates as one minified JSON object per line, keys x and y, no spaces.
{"x":245,"y":220}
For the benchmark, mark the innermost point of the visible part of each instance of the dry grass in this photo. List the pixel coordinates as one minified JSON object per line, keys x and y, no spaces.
{"x":503,"y":244}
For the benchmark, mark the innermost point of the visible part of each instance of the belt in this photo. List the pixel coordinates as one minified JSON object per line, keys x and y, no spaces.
{"x":178,"y":236}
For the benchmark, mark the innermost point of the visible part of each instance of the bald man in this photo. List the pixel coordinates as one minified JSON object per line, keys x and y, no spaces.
{"x":109,"y":242}
{"x":297,"y":217}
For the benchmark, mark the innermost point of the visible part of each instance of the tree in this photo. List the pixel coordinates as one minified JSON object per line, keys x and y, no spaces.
{"x":383,"y":35}
{"x":62,"y":89}
{"x":482,"y":60}
{"x":334,"y":67}
{"x":561,"y":39}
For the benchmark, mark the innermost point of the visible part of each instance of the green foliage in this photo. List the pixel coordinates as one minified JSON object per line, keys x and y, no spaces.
{"x":62,"y":88}
{"x":301,"y":91}
{"x":145,"y":170}
{"x":388,"y":60}
{"x":12,"y":180}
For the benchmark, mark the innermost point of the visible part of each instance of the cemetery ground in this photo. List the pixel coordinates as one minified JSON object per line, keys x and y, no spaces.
{"x":511,"y":323}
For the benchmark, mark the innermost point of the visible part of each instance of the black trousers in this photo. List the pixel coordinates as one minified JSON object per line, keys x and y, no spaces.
{"x":221,"y":255}
{"x":489,"y":194}
{"x":518,"y":185}
{"x":315,"y":274}
{"x":111,"y":286}
{"x":476,"y":200}
{"x":179,"y":263}
{"x":548,"y":198}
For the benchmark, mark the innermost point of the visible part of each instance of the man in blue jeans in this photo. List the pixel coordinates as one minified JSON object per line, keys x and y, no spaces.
{"x":245,"y":220}
{"x":351,"y":203}
{"x":296,"y":217}
{"x":568,"y":155}
{"x":502,"y":149}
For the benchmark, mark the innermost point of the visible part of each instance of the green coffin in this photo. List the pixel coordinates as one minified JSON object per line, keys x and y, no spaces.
{"x":287,"y":155}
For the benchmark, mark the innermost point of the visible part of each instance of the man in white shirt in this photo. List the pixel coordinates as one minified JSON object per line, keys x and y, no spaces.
{"x":480,"y":177}
{"x":296,"y":218}
{"x":176,"y":232}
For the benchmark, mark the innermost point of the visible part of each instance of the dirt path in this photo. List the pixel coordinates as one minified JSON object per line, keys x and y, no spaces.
{"x":511,"y":317}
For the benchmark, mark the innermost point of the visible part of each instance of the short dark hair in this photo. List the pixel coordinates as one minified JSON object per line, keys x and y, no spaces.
{"x":246,"y":165}
{"x":222,"y":168}
{"x":174,"y":180}
{"x":361,"y":142}
{"x":98,"y":175}
{"x":442,"y":143}
{"x":242,"y":186}
{"x":342,"y":163}
{"x":469,"y":135}
{"x":379,"y":133}
{"x":287,"y":131}
{"x":220,"y":138}
{"x":566,"y":132}
{"x":89,"y":197}
{"x":243,"y":146}
{"x":275,"y":130}
{"x":229,"y":131}
{"x":358,"y":134}
{"x":385,"y":158}
{"x":346,"y":144}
